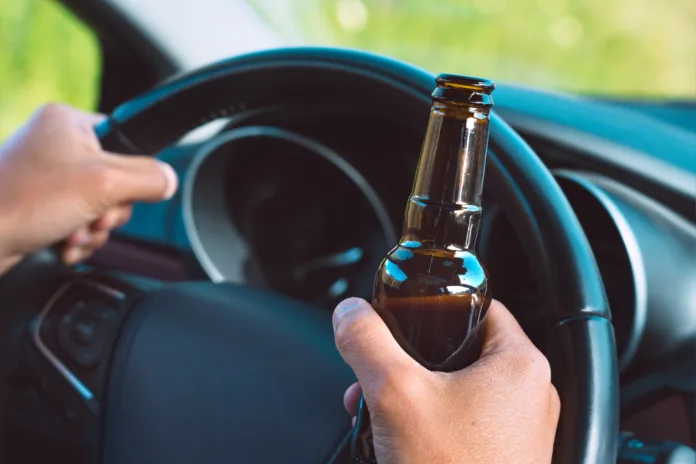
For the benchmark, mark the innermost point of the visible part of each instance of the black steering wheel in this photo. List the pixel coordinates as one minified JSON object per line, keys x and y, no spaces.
{"x":146,"y":372}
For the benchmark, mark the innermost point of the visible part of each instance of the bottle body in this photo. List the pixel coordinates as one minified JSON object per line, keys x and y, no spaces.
{"x":431,"y":299}
{"x":431,"y":289}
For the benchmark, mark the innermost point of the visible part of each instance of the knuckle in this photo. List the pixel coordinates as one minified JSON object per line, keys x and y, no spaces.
{"x":69,"y":125}
{"x":343,"y":334}
{"x":399,"y":391}
{"x":411,"y":388}
{"x":531,"y":365}
{"x":342,"y":338}
{"x":125,"y":217}
{"x":51,"y":111}
{"x":348,"y":328}
{"x":555,"y":400}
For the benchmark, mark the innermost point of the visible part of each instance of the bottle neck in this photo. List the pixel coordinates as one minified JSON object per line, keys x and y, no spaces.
{"x":444,"y":209}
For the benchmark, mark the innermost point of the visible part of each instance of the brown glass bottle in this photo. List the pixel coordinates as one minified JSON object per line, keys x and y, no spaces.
{"x":431,"y":289}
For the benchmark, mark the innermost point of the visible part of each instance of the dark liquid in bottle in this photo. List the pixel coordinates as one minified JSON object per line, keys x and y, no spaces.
{"x":432,"y":299}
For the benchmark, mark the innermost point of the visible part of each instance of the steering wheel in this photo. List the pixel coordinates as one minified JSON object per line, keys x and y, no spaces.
{"x":144,"y":372}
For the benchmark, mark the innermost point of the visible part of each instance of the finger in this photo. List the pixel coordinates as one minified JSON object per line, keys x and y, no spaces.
{"x":138,"y":178}
{"x":82,"y":244}
{"x":88,"y":123}
{"x":74,"y":255}
{"x":80,"y":238}
{"x":112,"y":219}
{"x":99,"y":239}
{"x":365,"y":342}
{"x":351,"y":399}
{"x":68,"y":114}
{"x":503,"y":332}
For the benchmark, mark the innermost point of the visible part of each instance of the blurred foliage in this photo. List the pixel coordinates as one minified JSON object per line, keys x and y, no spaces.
{"x":633,"y":48}
{"x":47,"y":55}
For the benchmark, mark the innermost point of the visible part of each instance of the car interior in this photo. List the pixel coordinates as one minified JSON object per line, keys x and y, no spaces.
{"x":208,"y":316}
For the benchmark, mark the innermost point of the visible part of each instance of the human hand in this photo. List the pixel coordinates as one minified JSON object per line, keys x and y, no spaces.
{"x":57,"y":183}
{"x":501,"y":409}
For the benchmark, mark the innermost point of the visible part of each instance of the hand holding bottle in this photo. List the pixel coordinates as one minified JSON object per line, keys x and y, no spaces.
{"x":501,"y":409}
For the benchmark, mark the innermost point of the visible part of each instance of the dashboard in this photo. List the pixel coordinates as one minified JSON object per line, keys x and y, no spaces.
{"x":306,"y":200}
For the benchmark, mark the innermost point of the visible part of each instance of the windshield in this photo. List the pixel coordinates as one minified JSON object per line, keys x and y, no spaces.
{"x":627,"y":48}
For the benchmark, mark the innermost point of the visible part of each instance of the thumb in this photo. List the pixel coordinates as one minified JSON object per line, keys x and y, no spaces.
{"x":366,"y":344}
{"x":139,"y":178}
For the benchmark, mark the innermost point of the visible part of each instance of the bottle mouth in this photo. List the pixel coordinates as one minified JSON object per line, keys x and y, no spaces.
{"x":463,"y":90}
{"x":472,"y":84}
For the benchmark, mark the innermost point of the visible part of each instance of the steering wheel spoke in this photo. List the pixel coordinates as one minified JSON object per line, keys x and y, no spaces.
{"x":75,"y":332}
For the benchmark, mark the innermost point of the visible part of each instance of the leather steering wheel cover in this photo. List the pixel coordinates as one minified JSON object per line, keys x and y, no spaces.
{"x":582,"y":349}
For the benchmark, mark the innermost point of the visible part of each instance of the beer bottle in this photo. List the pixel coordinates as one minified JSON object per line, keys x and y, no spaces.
{"x":431,"y":289}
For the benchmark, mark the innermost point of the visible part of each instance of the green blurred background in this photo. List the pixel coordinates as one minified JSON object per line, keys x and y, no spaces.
{"x":644,"y":48}
{"x":624,"y":48}
{"x":47,"y":56}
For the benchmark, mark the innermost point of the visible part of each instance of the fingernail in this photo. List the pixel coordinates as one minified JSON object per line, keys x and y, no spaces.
{"x":344,"y":307}
{"x":172,"y":179}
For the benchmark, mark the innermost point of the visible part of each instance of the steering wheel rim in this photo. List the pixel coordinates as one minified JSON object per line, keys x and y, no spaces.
{"x":581,"y":351}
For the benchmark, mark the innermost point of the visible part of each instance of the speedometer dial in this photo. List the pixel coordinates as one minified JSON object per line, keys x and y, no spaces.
{"x":297,"y":217}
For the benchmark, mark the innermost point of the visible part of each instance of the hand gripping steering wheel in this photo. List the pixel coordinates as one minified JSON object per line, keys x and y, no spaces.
{"x":212,"y":373}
